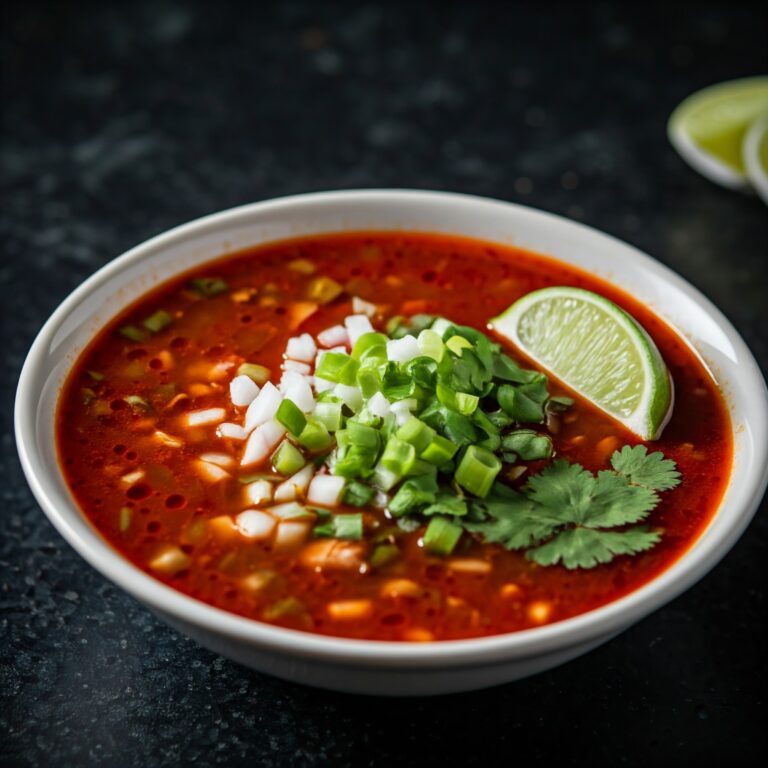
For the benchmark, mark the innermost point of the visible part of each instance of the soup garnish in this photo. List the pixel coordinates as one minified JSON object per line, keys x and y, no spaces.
{"x":320,"y":434}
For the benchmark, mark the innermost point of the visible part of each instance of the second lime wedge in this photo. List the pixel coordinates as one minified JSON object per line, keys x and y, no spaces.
{"x":596,"y":349}
{"x":708,"y":128}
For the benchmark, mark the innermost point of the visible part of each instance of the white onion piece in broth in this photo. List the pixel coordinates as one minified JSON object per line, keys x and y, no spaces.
{"x":296,"y":485}
{"x":223,"y":460}
{"x":231,"y":431}
{"x":261,"y":442}
{"x":211,"y":472}
{"x":352,"y":396}
{"x":255,"y":524}
{"x":326,"y":490}
{"x":294,"y":365}
{"x":296,"y":388}
{"x":363,"y":307}
{"x":203,"y":418}
{"x":301,"y":348}
{"x":333,"y":337}
{"x":323,"y":385}
{"x":402,"y":410}
{"x":291,"y":534}
{"x":258,"y":492}
{"x":378,"y":405}
{"x":264,"y":407}
{"x":243,"y":390}
{"x":403,"y":350}
{"x":356,"y":326}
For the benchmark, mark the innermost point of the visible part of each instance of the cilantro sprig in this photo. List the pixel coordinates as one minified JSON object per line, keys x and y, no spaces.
{"x":567,"y":515}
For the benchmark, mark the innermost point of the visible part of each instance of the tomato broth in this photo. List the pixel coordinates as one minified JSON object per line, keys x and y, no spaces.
{"x":133,"y":460}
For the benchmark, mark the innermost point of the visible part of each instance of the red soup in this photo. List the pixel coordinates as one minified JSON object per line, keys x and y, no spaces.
{"x":401,"y":486}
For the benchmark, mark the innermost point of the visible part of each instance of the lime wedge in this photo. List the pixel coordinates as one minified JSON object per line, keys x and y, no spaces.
{"x":708,"y":128}
{"x":597,"y":350}
{"x":755,"y":154}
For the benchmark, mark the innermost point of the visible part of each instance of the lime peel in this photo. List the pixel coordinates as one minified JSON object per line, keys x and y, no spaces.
{"x":596,"y":349}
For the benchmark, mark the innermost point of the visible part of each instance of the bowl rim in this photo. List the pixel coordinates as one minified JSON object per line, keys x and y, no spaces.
{"x":583,"y":628}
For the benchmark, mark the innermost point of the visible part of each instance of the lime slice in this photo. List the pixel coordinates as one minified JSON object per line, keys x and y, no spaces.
{"x":755,"y":154}
{"x":708,"y":128}
{"x":597,"y":350}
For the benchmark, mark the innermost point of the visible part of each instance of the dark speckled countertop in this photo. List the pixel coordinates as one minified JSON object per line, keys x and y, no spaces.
{"x":118,"y":124}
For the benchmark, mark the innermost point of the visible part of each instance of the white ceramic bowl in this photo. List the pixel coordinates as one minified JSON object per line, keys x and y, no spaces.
{"x":368,"y":666}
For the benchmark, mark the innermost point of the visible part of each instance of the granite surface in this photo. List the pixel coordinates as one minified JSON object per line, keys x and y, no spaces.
{"x":119,"y":121}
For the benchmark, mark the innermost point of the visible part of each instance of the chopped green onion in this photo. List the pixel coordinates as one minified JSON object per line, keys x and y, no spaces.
{"x":338,"y":368}
{"x":398,"y":457}
{"x":439,"y":451}
{"x":369,"y":381}
{"x":291,"y":417}
{"x":88,"y":395}
{"x":96,"y":376}
{"x":346,"y":526}
{"x":431,"y":344}
{"x":330,"y":415}
{"x":421,"y":467}
{"x":208,"y":286}
{"x":288,"y":606}
{"x":383,"y":555}
{"x":357,"y":494}
{"x":138,"y":403}
{"x":412,"y":494}
{"x":477,"y":470}
{"x":362,"y":435}
{"x":133,"y":333}
{"x":385,"y":478}
{"x":354,"y":461}
{"x":457,"y":345}
{"x":157,"y":321}
{"x":366,"y":341}
{"x":257,"y":373}
{"x":287,"y":459}
{"x":441,"y":536}
{"x":417,"y":433}
{"x":461,"y":402}
{"x":126,"y":513}
{"x":315,"y":436}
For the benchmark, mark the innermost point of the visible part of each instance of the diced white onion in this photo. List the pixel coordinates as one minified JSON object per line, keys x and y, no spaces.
{"x":441,"y":325}
{"x":264,"y":407}
{"x":360,"y":306}
{"x":289,"y":511}
{"x":402,"y":409}
{"x":301,"y":348}
{"x":323,"y":385}
{"x":351,"y":395}
{"x":291,"y":534}
{"x":254,"y":524}
{"x":132,"y":477}
{"x":295,"y":387}
{"x":208,"y":416}
{"x":169,"y":440}
{"x":296,"y":485}
{"x":294,"y":365}
{"x":378,"y":405}
{"x":403,"y":350}
{"x":261,"y":442}
{"x":356,"y":326}
{"x":211,"y":472}
{"x":380,"y":500}
{"x":334,"y":336}
{"x":219,"y":459}
{"x":258,"y":492}
{"x":243,"y":390}
{"x":325,"y":490}
{"x":232,"y":431}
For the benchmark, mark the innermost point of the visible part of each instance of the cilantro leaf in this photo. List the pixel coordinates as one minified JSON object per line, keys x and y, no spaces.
{"x":446,"y":503}
{"x":586,"y":548}
{"x":514,"y":521}
{"x":641,"y":468}
{"x":565,"y":489}
{"x":615,"y":502}
{"x":525,"y":403}
{"x":527,"y":444}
